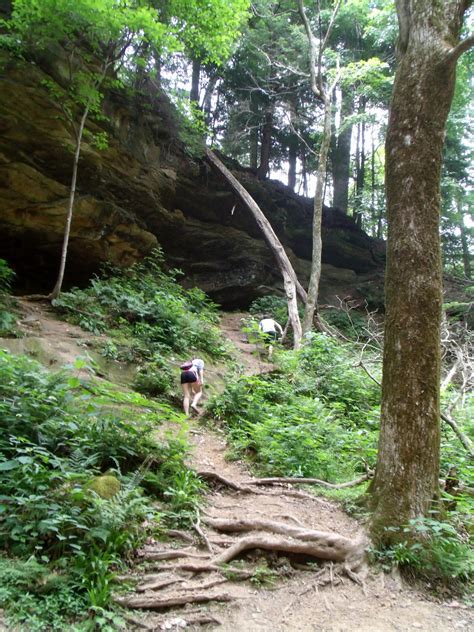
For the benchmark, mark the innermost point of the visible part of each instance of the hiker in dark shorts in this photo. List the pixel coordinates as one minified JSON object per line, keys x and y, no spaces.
{"x":268,"y":330}
{"x":191,"y":385}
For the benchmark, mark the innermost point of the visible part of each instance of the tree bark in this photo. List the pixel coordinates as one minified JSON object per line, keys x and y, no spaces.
{"x":341,"y":156}
{"x":266,"y":143}
{"x":360,"y":167}
{"x":313,"y":288}
{"x":207,"y":99}
{"x":406,"y":479}
{"x":72,"y":194}
{"x":323,"y":93}
{"x":293,"y":144}
{"x":291,"y":283}
{"x":195,"y":78}
{"x":466,"y":254}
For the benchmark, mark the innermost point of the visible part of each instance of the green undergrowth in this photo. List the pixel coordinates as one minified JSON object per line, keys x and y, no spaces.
{"x":437,"y":549}
{"x":84,"y":480}
{"x":317,"y":415}
{"x":150,"y":321}
{"x":7,"y":309}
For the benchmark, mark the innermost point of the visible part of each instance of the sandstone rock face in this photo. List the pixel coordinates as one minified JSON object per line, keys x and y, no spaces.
{"x":143,"y":190}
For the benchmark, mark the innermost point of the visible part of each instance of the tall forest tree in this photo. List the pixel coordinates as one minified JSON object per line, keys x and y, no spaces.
{"x":322,"y":87}
{"x":406,"y":479}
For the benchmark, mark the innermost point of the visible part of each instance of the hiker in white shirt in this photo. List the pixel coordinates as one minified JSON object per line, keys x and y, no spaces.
{"x":268,"y":327}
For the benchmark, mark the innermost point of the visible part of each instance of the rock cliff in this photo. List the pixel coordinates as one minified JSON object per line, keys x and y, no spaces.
{"x":144,"y":190}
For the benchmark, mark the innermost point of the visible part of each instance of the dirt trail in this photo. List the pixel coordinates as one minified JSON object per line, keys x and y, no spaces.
{"x":296,"y":601}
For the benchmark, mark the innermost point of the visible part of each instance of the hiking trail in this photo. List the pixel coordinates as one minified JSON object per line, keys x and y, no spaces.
{"x":264,"y":591}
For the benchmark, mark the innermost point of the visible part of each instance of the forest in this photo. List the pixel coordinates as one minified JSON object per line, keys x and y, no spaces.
{"x":173,"y":174}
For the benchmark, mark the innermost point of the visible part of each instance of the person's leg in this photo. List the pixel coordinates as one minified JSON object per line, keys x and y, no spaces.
{"x":197,"y":390}
{"x":271,"y":341}
{"x":186,"y":397}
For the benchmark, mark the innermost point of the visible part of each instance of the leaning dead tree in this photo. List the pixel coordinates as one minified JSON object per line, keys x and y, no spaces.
{"x":291,"y":284}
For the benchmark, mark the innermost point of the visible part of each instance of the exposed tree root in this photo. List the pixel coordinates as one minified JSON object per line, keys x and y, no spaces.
{"x":325,"y":550}
{"x":297,"y":493}
{"x":213,"y":477}
{"x":158,"y":585}
{"x":182,"y":535}
{"x":307,"y":481}
{"x":202,"y":535}
{"x":318,"y":544}
{"x":154,"y":603}
{"x":210,"y":584}
{"x":137,"y":622}
{"x":167,"y":555}
{"x":202,"y":619}
{"x":238,"y":573}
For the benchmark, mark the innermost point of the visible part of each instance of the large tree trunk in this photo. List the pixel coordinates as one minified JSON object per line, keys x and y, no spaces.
{"x":341,"y":156}
{"x":290,"y":281}
{"x":406,"y":479}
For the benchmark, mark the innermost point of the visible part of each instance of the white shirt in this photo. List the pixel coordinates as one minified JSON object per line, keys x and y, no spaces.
{"x":198,"y":363}
{"x":268,"y":325}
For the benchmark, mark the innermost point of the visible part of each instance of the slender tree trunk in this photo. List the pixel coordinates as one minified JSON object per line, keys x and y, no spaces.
{"x":341,"y":156}
{"x":313,"y":289}
{"x":293,"y":145}
{"x":254,"y":148}
{"x":207,"y":100}
{"x":291,"y":283}
{"x":360,"y":168}
{"x":72,"y":194}
{"x":266,"y":144}
{"x":466,"y":255}
{"x":372,"y":188}
{"x":158,"y":68}
{"x":253,"y":134}
{"x":324,"y":94}
{"x":304,"y":172}
{"x":292,"y":156}
{"x":406,"y":479}
{"x":196,"y":74}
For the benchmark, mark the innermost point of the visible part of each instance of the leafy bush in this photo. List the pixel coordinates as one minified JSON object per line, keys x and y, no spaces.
{"x":147,"y":310}
{"x":290,"y":433}
{"x":7,"y":317}
{"x":434,"y":549}
{"x":274,"y":305}
{"x":327,"y":369}
{"x":32,"y":594}
{"x":58,"y":437}
{"x":351,"y":323}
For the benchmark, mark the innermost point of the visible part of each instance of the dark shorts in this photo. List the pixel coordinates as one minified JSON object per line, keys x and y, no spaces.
{"x":269,"y":336}
{"x":188,"y":377}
